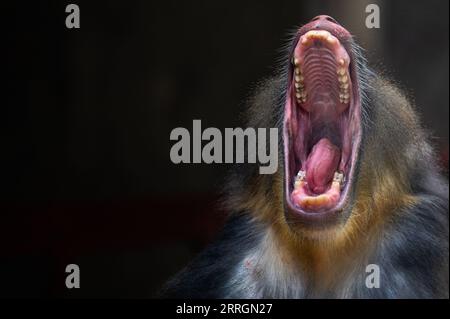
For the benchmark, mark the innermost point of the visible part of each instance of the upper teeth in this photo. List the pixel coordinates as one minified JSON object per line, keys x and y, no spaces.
{"x":300,"y":92}
{"x":344,"y":95}
{"x":342,"y":65}
{"x":299,"y":83}
{"x":319,"y":34}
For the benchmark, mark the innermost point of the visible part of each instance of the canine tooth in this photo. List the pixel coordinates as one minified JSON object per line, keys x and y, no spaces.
{"x":338,"y":177}
{"x":341,"y":62}
{"x":300,"y":175}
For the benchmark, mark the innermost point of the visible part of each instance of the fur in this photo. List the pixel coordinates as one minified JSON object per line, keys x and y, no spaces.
{"x":398,"y":218}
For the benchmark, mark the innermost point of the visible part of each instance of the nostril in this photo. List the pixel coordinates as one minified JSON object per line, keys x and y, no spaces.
{"x":328,"y":18}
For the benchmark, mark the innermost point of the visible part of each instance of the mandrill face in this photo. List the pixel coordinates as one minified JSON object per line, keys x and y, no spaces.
{"x":322,"y":124}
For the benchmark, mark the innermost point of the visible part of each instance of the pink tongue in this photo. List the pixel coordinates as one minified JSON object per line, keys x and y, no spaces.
{"x":321,"y":164}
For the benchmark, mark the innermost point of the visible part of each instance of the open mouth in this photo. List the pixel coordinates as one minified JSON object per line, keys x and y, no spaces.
{"x":322,"y":128}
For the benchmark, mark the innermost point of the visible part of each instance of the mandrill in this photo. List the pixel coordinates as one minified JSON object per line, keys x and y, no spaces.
{"x":357,"y":186}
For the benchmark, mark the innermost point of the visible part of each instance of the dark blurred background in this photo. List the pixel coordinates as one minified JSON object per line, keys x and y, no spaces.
{"x":85,"y":171}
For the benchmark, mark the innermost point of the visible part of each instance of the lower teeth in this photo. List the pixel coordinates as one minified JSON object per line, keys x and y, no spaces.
{"x":301,"y":176}
{"x":338,"y":177}
{"x":326,"y":200}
